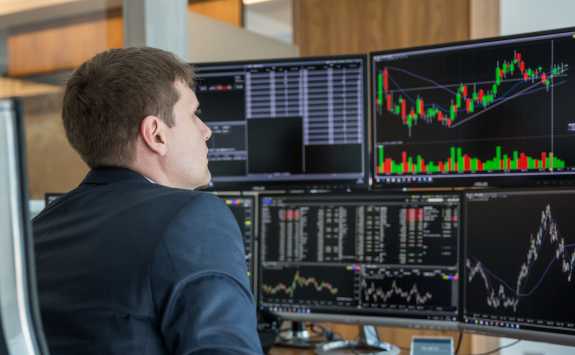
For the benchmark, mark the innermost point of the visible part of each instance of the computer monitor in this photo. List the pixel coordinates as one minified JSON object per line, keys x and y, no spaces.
{"x":494,"y":112}
{"x":361,"y":257}
{"x":243,"y":208}
{"x":519,"y":261}
{"x":21,"y":328}
{"x":286,"y":122}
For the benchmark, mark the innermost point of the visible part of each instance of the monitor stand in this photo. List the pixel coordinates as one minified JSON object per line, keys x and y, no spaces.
{"x":368,"y":343}
{"x":299,"y":337}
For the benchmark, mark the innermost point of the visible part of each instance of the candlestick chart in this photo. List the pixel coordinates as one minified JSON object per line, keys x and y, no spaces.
{"x":468,"y":100}
{"x":467,"y":111}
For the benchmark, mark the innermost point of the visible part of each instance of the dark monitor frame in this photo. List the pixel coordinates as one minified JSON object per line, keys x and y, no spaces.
{"x":254,"y":246}
{"x":26,"y":281}
{"x":351,"y":318}
{"x":303,"y":184}
{"x":409,"y":181}
{"x":527,"y":334}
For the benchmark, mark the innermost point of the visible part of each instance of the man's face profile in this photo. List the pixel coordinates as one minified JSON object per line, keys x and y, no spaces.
{"x":187,"y":159}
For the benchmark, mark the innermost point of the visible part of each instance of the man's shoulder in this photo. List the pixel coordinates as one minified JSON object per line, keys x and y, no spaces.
{"x":186,"y":205}
{"x":204,"y":235}
{"x":188,"y":199}
{"x":202,"y":205}
{"x":143,"y":200}
{"x":148,"y":192}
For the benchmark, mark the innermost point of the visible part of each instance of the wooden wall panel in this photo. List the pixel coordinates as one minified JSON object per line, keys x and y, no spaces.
{"x":350,"y":26}
{"x":62,"y":46}
{"x":66,"y":44}
{"x":20,"y":88}
{"x":484,"y":19}
{"x":229,"y":11}
{"x":52,"y":164}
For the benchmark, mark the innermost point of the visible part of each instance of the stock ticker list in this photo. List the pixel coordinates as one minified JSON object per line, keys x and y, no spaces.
{"x":388,"y":254}
{"x":287,"y":120}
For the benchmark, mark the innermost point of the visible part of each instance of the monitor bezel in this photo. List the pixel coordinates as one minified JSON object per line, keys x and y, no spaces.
{"x":253,"y":197}
{"x":408,"y":181}
{"x":25,"y":258}
{"x":526,"y":334}
{"x":338,"y":185}
{"x":355,"y":318}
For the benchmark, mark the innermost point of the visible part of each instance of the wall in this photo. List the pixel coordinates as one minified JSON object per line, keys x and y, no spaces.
{"x":484,"y":18}
{"x":64,"y":45}
{"x":519,"y":16}
{"x":323,"y":27}
{"x":272,"y":19}
{"x":212,"y":41}
{"x":68,"y":33}
{"x":229,"y":11}
{"x":52,"y":164}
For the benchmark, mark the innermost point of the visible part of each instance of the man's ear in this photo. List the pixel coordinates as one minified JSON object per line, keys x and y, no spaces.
{"x":153,"y":133}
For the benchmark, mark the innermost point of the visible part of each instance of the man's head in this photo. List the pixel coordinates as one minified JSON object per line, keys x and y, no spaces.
{"x":134,"y":107}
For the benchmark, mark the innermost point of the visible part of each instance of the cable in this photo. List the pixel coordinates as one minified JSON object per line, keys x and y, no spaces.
{"x":459,"y":341}
{"x":498,"y":348}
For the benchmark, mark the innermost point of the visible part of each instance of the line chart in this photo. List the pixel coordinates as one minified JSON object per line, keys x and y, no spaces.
{"x":413,"y":288}
{"x":299,"y":281}
{"x":375,"y":294}
{"x":501,"y":294}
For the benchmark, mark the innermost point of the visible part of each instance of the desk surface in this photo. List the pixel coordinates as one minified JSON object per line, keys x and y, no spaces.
{"x":276,"y":350}
{"x":398,"y":336}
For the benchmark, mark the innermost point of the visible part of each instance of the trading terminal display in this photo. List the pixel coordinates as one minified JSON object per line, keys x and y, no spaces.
{"x":364,"y":254}
{"x":243,"y":209}
{"x":286,"y":121}
{"x":496,"y":112}
{"x":519,"y":261}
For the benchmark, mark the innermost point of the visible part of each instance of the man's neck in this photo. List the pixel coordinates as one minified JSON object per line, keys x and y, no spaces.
{"x":150,"y":172}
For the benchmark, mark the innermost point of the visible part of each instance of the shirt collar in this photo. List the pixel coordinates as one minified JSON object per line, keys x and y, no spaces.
{"x":108,"y":175}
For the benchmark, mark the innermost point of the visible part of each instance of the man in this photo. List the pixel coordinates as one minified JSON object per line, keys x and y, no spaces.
{"x":133,"y":261}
